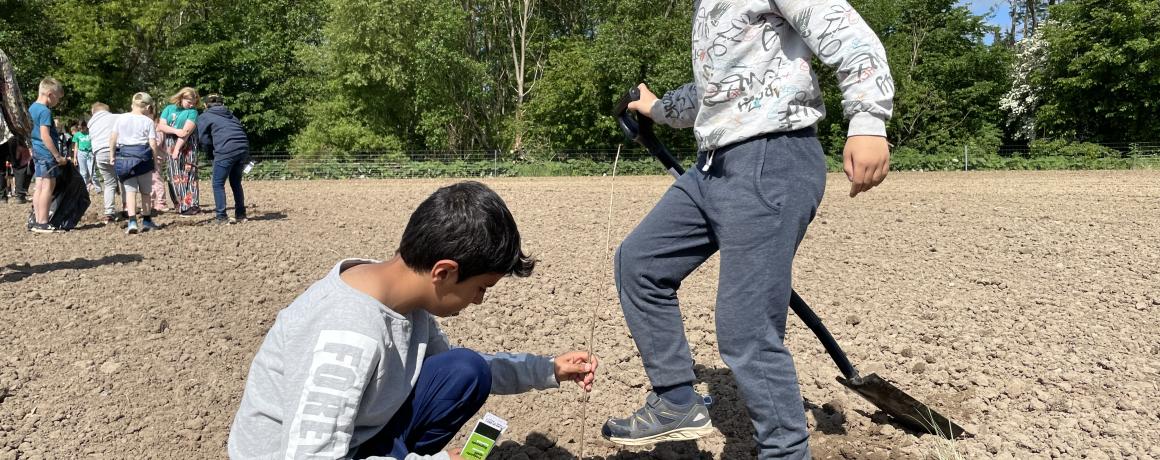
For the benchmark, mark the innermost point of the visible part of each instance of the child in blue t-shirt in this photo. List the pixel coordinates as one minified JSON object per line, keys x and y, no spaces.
{"x":46,"y":157}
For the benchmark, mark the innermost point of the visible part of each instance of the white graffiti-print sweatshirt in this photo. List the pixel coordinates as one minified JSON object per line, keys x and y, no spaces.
{"x":752,"y":75}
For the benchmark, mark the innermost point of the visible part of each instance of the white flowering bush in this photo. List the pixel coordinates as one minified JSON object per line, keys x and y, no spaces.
{"x":1022,"y":100}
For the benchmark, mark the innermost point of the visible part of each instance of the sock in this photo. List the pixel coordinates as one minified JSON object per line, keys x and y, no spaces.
{"x":677,"y":395}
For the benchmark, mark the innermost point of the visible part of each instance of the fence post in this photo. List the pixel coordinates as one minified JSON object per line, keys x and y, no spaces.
{"x":494,"y":162}
{"x":965,"y":158}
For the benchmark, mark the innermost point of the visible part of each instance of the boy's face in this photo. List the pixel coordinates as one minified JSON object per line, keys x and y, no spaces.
{"x":54,"y":98}
{"x":452,"y":296}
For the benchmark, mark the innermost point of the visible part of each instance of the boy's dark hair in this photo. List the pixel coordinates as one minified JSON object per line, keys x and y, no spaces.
{"x":470,"y":224}
{"x":214,"y":100}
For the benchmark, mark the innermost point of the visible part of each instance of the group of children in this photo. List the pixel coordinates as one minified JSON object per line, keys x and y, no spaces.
{"x":127,"y":150}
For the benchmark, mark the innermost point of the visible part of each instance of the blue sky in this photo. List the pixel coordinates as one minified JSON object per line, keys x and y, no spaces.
{"x":1001,"y":7}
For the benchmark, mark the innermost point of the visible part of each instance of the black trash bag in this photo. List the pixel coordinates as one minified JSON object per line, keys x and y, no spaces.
{"x":70,"y":199}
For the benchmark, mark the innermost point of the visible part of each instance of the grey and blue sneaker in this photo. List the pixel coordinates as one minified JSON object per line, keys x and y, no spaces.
{"x":147,"y":225}
{"x":132,"y":228}
{"x":660,"y":421}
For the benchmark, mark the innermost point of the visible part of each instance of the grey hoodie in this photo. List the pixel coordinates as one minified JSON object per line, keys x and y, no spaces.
{"x":752,"y":75}
{"x":336,"y":366}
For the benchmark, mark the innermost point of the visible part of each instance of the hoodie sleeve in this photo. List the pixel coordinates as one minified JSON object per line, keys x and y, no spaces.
{"x":677,"y":108}
{"x":837,"y":35}
{"x":511,"y":373}
{"x":204,"y":136}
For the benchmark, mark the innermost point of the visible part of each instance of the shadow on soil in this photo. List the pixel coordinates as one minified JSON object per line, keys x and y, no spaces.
{"x":269,"y":216}
{"x":17,"y":272}
{"x":539,"y":445}
{"x":728,"y":413}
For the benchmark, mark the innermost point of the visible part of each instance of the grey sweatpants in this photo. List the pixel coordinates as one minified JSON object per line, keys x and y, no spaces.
{"x":109,"y":183}
{"x":753,"y":205}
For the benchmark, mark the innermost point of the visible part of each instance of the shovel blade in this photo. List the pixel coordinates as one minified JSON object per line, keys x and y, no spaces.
{"x":902,"y":407}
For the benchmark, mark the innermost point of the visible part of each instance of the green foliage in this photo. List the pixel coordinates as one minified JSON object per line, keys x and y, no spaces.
{"x":1041,"y":155}
{"x":947,"y":80}
{"x":335,"y":79}
{"x":113,"y":49}
{"x":1100,"y":79}
{"x":587,"y":74}
{"x":28,"y":35}
{"x":1065,"y":149}
{"x":249,"y":52}
{"x":394,"y":73}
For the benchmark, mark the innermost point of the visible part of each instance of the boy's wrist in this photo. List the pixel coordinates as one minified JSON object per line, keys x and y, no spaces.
{"x":866,"y":124}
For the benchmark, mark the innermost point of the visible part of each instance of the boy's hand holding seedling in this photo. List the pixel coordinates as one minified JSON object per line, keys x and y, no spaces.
{"x":577,"y":367}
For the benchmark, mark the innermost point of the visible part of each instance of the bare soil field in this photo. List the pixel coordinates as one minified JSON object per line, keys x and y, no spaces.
{"x":1025,"y":305}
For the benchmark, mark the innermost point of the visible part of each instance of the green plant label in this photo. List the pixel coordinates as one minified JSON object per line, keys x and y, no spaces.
{"x":483,"y":437}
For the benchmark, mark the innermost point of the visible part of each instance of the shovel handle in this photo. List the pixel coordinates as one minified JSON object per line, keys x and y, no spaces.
{"x":803,"y":311}
{"x":639,"y":128}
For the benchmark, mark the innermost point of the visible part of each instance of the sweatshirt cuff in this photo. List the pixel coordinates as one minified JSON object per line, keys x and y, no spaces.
{"x":657,"y":112}
{"x":545,"y":368}
{"x":867,"y":124}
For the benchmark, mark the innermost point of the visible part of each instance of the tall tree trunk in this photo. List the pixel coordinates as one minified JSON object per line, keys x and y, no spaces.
{"x":1032,"y":7}
{"x":1011,"y":26}
{"x":519,"y":16}
{"x":1023,"y":19}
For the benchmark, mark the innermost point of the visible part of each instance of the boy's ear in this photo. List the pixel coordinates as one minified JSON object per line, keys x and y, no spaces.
{"x":445,"y":269}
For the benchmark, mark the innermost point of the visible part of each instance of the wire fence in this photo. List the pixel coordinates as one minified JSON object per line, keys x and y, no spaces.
{"x":279,"y":164}
{"x":462,"y":164}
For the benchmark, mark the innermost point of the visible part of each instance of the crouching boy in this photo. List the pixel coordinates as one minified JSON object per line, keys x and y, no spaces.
{"x":357,"y":366}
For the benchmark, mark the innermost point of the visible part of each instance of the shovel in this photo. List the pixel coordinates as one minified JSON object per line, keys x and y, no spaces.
{"x":901,"y":407}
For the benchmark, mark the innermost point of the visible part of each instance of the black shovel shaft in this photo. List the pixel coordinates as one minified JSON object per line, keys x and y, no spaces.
{"x":639,"y":129}
{"x":803,"y":311}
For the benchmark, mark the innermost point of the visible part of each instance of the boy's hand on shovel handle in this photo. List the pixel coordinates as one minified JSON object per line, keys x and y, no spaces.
{"x":643,"y":105}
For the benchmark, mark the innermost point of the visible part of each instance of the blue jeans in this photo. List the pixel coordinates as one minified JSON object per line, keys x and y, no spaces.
{"x":452,"y":387}
{"x":752,"y":206}
{"x":86,"y":164}
{"x":229,"y":168}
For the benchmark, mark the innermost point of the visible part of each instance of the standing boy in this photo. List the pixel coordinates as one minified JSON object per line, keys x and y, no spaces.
{"x":756,"y":186}
{"x":221,"y":133}
{"x":357,"y":366}
{"x":101,"y":124}
{"x":46,"y":157}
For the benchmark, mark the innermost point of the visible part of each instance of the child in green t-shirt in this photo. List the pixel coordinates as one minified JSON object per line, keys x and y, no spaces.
{"x":83,"y":155}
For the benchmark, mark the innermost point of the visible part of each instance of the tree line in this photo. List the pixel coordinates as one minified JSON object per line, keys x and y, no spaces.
{"x":536,"y":78}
